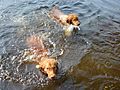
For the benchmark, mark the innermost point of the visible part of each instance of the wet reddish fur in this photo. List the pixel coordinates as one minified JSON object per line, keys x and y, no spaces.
{"x":64,"y":19}
{"x":47,"y":65}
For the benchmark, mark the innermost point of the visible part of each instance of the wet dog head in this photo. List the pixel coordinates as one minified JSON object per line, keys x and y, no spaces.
{"x":73,"y":19}
{"x":48,"y":66}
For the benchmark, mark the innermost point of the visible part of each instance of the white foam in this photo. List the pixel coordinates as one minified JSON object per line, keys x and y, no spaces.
{"x":71,"y":27}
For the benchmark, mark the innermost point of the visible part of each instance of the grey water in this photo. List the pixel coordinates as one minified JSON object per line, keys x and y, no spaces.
{"x":91,"y":58}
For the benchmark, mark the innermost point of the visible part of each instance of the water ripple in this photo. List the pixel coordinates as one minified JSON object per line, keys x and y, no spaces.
{"x":91,"y":57}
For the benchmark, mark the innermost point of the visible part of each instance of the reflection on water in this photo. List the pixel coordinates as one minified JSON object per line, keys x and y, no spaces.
{"x":93,"y":73}
{"x":91,"y":58}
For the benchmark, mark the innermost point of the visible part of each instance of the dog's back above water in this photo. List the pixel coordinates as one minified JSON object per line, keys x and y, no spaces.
{"x":64,"y":19}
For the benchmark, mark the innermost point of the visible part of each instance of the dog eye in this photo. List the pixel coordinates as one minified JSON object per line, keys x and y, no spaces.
{"x":75,"y":19}
{"x":54,"y":67}
{"x":47,"y":68}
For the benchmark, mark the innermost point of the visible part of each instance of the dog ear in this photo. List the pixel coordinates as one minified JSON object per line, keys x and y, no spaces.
{"x":69,"y":20}
{"x":42,"y":66}
{"x":56,"y":63}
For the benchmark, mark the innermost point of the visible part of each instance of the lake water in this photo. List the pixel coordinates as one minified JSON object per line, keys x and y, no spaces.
{"x":91,"y":59}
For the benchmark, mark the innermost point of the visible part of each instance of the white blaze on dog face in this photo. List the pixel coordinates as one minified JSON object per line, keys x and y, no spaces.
{"x":70,"y":29}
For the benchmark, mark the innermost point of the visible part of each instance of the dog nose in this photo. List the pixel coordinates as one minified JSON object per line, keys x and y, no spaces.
{"x":78,"y":24}
{"x":52,"y":77}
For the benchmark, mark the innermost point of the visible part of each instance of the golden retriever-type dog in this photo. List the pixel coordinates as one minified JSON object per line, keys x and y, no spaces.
{"x":62,"y":18}
{"x":46,"y":64}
